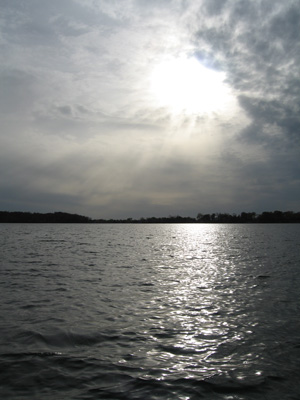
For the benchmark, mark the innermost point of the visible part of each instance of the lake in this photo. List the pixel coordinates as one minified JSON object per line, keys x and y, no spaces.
{"x":150,"y":311}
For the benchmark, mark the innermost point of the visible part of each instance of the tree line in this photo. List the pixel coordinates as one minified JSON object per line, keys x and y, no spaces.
{"x":251,"y":217}
{"x":28,"y":217}
{"x":244,"y":217}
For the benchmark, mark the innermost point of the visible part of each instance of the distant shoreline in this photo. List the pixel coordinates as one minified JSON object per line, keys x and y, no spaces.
{"x":62,"y":217}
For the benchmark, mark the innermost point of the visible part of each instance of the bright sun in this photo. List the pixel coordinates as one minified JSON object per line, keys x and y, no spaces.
{"x":183,"y":85}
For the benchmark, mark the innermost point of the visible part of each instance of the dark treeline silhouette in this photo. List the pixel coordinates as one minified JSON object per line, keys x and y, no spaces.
{"x":244,"y":217}
{"x":57,"y":217}
{"x":150,"y":220}
{"x":251,"y":217}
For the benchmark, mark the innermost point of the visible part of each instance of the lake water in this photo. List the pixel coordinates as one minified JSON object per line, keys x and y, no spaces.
{"x":149,"y":311}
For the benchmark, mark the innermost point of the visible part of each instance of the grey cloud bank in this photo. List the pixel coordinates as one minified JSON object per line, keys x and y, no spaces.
{"x":80,"y":129}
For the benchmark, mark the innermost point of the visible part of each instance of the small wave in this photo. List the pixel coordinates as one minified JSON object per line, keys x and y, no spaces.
{"x":31,"y":354}
{"x":53,"y":240}
{"x":63,"y":339}
{"x":177,"y":350}
{"x":146,"y":284}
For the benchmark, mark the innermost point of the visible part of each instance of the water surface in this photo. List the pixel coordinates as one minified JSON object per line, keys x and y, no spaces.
{"x":149,"y":311}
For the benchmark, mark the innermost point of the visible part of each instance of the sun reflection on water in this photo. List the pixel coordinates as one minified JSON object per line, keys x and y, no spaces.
{"x":203,"y":304}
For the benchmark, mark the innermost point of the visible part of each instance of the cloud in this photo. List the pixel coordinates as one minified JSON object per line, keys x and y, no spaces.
{"x":82,"y":132}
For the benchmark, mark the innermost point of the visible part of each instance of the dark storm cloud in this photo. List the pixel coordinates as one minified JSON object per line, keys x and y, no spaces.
{"x":258,"y":45}
{"x":285,"y":117}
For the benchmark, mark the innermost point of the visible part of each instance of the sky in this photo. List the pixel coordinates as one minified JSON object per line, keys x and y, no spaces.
{"x":140,"y":108}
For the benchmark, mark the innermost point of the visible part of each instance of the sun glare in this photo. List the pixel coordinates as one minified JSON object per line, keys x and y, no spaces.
{"x":185,"y":86}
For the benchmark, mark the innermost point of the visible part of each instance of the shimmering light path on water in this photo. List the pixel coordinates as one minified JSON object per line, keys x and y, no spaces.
{"x":149,"y":311}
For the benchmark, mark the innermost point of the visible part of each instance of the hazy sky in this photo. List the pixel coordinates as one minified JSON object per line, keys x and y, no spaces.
{"x":139,"y":108}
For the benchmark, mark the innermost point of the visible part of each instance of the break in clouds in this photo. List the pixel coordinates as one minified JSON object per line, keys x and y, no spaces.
{"x":83,"y":130}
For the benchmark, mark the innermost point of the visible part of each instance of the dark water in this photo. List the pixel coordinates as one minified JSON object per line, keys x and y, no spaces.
{"x":149,"y":312}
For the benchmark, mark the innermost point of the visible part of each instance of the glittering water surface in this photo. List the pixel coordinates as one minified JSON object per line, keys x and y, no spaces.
{"x":149,"y":311}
